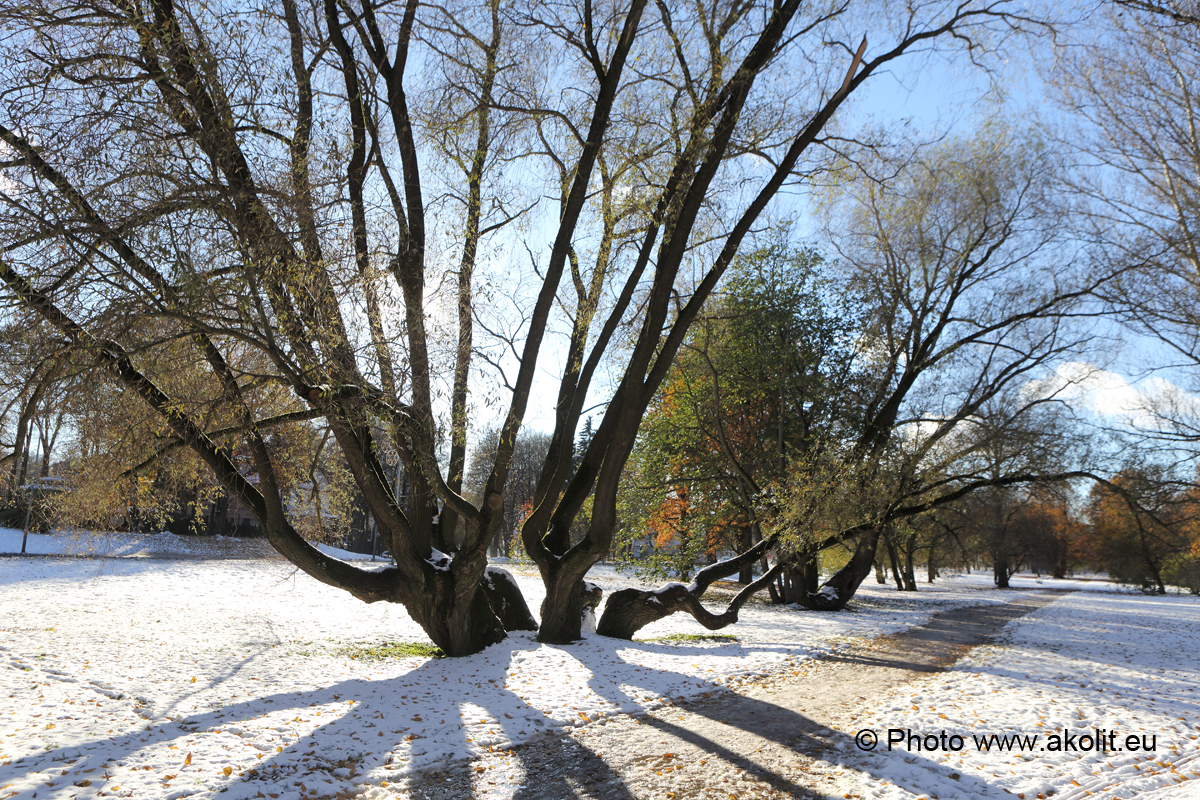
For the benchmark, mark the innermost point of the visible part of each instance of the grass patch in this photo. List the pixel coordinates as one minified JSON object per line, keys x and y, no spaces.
{"x":387,"y":650}
{"x":691,"y":638}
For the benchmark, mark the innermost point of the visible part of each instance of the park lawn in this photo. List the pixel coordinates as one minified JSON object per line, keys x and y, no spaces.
{"x":153,"y":677}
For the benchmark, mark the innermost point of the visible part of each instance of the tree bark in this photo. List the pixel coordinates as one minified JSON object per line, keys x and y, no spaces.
{"x":564,"y":611}
{"x":895,"y":562}
{"x":910,"y":579}
{"x":629,"y":610}
{"x":459,"y":629}
{"x":25,"y":448}
{"x":796,"y":581}
{"x":746,"y":541}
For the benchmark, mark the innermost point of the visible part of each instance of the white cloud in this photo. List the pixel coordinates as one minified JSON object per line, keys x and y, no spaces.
{"x":1152,"y":404}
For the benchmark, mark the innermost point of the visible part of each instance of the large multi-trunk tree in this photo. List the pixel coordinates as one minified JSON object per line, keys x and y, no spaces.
{"x":338,"y":198}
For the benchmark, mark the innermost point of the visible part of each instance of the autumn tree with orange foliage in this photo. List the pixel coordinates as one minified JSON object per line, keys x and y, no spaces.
{"x":1055,"y":538}
{"x":1140,"y":526}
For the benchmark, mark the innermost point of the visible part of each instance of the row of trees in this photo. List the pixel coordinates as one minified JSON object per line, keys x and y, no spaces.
{"x":305,"y":244}
{"x":1140,"y":528}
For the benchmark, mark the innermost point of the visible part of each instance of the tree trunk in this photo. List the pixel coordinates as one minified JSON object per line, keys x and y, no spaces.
{"x":507,"y":601}
{"x":796,"y":581}
{"x":1060,"y":567}
{"x":218,"y":515}
{"x":592,"y":594}
{"x":629,"y":610}
{"x":24,"y":459}
{"x":1158,"y":581}
{"x":459,"y":629}
{"x":895,"y":561}
{"x":910,"y":579}
{"x":563,"y":612}
{"x":810,"y":574}
{"x":745,"y":542}
{"x":24,"y":434}
{"x":842,"y":585}
{"x":1000,"y":572}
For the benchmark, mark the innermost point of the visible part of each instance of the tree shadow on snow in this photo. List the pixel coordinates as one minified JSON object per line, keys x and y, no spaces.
{"x":927,"y":648}
{"x":415,"y":727}
{"x":730,"y":716}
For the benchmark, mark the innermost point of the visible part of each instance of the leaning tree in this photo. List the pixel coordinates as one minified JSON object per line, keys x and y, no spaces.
{"x":973,"y":291}
{"x":977,"y":291}
{"x":351,"y":191}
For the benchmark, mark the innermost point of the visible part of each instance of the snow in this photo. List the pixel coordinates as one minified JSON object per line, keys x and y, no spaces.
{"x":157,"y":675}
{"x":1089,"y":668}
{"x":191,"y":674}
{"x":439,"y":560}
{"x":138,"y":545}
{"x":346,"y":555}
{"x":151,"y":545}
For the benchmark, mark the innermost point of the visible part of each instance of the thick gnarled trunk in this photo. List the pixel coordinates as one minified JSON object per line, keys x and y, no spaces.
{"x":836,"y":592}
{"x":629,"y":610}
{"x":568,"y":604}
{"x":459,"y":628}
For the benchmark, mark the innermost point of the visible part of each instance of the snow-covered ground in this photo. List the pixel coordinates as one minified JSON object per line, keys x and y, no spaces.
{"x":1092,"y":676}
{"x":137,"y":545}
{"x":165,"y":678}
